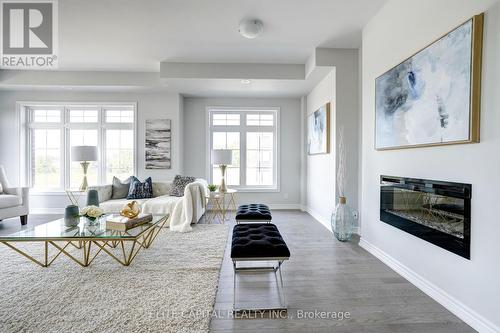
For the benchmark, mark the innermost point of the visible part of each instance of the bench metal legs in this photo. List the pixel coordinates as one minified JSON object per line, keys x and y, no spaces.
{"x":262,"y":269}
{"x":253,"y":221}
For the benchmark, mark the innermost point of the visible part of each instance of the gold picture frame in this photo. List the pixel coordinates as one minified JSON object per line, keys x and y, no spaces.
{"x":474,"y":93}
{"x":311,"y":146}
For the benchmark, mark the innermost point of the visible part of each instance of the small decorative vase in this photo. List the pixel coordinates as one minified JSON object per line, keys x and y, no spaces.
{"x":92,"y":221}
{"x":342,"y":221}
{"x":71,"y":216}
{"x":92,"y":198}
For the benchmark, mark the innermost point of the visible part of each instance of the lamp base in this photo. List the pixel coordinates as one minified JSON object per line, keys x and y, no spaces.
{"x":85,"y":185}
{"x":222,"y":186}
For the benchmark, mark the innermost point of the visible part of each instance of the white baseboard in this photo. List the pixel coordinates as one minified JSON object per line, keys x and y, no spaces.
{"x":318,"y":217}
{"x":459,"y":309}
{"x":280,"y":207}
{"x":284,"y":206}
{"x":61,"y":210}
{"x":46,"y":211}
{"x":321,"y":219}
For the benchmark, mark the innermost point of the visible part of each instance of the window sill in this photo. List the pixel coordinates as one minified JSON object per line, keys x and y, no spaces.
{"x":255,"y":190}
{"x":51,"y":193}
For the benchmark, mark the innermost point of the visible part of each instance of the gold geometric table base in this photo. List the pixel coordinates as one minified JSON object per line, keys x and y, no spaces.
{"x":127,"y":252}
{"x":219,"y":207}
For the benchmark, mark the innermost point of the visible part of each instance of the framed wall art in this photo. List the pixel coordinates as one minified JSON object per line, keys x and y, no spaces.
{"x":433,"y":97}
{"x":318,"y":131}
{"x":158,"y":144}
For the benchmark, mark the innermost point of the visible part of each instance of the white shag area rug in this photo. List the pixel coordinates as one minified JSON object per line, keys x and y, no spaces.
{"x":171,"y":287}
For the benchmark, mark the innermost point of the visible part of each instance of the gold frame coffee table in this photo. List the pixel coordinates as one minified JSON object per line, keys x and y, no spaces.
{"x":89,"y":238}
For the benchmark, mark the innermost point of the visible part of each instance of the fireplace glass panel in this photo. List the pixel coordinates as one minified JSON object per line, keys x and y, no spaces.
{"x":436,"y":211}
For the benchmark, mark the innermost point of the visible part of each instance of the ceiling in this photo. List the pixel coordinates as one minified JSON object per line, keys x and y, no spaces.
{"x":118,"y":45}
{"x":256,"y":88}
{"x":132,"y":35}
{"x":188,"y":87}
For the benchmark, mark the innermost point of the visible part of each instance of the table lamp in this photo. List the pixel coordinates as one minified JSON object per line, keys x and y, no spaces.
{"x":222,"y":158}
{"x":84,"y":155}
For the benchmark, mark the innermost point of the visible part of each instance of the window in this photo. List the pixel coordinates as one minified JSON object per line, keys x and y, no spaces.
{"x":46,"y":158}
{"x":51,"y":131}
{"x":252,"y":135}
{"x":120,"y":153}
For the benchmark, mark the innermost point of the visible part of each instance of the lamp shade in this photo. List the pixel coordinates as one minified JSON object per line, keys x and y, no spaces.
{"x":84,"y":153}
{"x":222,"y":156}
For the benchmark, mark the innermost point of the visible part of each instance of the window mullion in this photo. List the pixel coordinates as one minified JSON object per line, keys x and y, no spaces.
{"x":210,"y":142}
{"x":101,"y":141}
{"x":243,"y":156}
{"x":29,"y":162}
{"x":259,"y":170}
{"x":65,"y":150}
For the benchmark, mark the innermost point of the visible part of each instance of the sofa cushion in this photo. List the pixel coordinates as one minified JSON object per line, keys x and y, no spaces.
{"x":162,"y":205}
{"x":104,"y":192}
{"x":161,"y":188}
{"x":7,"y":200}
{"x":140,"y":190}
{"x":116,"y":205}
{"x":179,"y":184}
{"x":258,"y":240}
{"x":120,"y":189}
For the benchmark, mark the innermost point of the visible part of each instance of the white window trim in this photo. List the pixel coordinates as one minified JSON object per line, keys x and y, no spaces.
{"x":277,"y":154}
{"x":22,"y":108}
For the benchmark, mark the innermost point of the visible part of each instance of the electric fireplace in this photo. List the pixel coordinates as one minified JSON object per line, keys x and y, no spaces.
{"x":436,"y":211}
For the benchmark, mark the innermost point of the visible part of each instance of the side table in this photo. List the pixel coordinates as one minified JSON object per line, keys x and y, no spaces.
{"x":220,"y":203}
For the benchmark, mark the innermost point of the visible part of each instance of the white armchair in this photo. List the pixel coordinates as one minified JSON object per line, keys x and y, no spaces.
{"x":14,"y":201}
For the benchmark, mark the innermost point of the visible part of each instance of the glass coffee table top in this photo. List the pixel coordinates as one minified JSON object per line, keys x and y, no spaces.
{"x":84,"y":230}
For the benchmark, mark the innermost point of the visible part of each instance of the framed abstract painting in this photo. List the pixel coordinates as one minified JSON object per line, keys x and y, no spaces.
{"x":433,"y":97}
{"x":158,"y":144}
{"x":318,"y":131}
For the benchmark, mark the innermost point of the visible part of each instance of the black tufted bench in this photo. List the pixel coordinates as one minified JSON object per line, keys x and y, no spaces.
{"x":253,"y":213}
{"x":258,"y":242}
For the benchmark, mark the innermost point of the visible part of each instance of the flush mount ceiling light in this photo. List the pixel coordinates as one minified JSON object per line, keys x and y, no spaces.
{"x":251,"y":28}
{"x":245,"y":81}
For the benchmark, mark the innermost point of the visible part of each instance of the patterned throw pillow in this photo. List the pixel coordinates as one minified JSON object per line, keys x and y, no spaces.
{"x":140,"y":190}
{"x":120,"y":189}
{"x":179,"y":184}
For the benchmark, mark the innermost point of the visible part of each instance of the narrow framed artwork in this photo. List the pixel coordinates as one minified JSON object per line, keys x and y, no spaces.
{"x":433,"y":97}
{"x":158,"y":144}
{"x":318,"y":131}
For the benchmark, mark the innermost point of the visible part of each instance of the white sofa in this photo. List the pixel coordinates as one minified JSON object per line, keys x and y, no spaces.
{"x":161,"y":203}
{"x":14,"y":201}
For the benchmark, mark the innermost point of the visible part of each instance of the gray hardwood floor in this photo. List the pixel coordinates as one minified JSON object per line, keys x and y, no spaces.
{"x":326,"y":275}
{"x":323,"y":275}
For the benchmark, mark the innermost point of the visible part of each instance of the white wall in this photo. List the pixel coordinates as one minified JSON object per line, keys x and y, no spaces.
{"x":320,"y":183}
{"x":290,"y":150}
{"x":341,"y":88}
{"x":470,"y":288}
{"x":149,"y":106}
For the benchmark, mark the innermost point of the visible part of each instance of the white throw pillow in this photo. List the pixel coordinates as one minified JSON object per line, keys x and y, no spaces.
{"x":1,"y":188}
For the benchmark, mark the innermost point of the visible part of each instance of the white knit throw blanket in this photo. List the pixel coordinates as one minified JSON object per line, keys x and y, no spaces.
{"x":182,"y":216}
